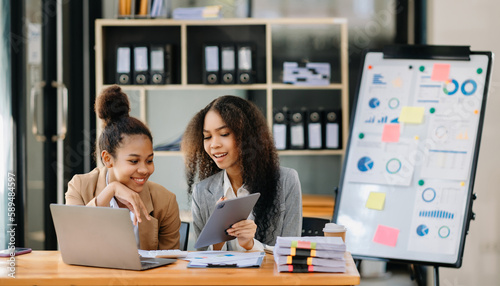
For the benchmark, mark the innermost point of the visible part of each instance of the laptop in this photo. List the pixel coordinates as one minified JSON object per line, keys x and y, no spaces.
{"x":99,"y":237}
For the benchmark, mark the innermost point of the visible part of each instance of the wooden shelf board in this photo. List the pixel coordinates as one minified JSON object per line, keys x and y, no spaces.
{"x":168,"y":153}
{"x":282,"y":153}
{"x":295,"y":87}
{"x":193,"y":87}
{"x":219,"y":22}
{"x":321,"y":206}
{"x":310,"y":152}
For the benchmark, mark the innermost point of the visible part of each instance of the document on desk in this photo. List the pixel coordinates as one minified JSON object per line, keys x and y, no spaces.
{"x":217,"y":259}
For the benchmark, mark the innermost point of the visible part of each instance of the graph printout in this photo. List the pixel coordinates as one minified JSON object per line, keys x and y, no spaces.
{"x":408,"y":172}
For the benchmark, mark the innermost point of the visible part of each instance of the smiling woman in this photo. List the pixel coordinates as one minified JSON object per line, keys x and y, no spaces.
{"x":230,"y":150}
{"x":126,"y":147}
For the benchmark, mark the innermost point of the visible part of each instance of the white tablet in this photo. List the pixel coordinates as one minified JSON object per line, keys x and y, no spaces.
{"x":226,"y":213}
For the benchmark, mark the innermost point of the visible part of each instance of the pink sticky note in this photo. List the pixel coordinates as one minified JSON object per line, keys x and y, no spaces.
{"x":386,"y":235}
{"x":391,"y":133}
{"x":440,"y":72}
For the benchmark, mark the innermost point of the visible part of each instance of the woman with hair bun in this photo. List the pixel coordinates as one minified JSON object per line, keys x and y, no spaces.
{"x":126,"y":151}
{"x":228,"y":148}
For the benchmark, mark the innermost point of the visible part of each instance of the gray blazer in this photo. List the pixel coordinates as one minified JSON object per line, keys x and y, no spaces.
{"x":207,"y":192}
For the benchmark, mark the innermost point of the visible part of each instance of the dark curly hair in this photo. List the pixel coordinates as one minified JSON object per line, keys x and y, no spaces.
{"x":113,"y":107}
{"x":258,"y":158}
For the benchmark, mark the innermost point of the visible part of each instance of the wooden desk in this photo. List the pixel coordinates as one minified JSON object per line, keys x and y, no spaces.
{"x":47,"y":268}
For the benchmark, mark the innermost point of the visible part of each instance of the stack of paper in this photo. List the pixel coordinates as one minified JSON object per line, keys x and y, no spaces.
{"x":310,"y":254}
{"x":197,"y":13}
{"x":206,"y":259}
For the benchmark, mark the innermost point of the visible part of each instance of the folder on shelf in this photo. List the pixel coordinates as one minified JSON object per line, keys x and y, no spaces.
{"x":141,"y":67}
{"x":142,"y":7}
{"x":297,"y":130}
{"x":228,"y":64}
{"x":157,"y":8}
{"x":160,"y":63}
{"x":211,"y":64}
{"x":125,"y":8}
{"x":197,"y":13}
{"x":332,"y":129}
{"x":280,"y":130}
{"x":245,"y":67}
{"x":314,"y":132}
{"x":123,"y":70}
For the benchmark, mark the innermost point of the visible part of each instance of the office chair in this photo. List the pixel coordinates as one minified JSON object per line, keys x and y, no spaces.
{"x":312,"y":226}
{"x":184,"y":232}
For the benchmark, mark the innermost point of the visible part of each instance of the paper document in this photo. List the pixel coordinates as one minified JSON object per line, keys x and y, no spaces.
{"x":224,"y":259}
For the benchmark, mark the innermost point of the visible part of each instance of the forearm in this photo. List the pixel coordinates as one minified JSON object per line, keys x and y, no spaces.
{"x":103,"y":199}
{"x":246,"y":244}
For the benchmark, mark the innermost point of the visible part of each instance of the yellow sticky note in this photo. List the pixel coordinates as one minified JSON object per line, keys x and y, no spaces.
{"x":376,"y":201}
{"x":410,"y":114}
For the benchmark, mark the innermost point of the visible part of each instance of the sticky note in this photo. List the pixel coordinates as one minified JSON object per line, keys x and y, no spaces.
{"x":440,"y":72}
{"x":412,"y":114}
{"x":391,"y":133}
{"x":386,"y":235}
{"x":376,"y":201}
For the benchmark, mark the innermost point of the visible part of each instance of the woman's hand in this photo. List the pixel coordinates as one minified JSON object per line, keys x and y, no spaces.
{"x":124,"y":196}
{"x":245,"y":232}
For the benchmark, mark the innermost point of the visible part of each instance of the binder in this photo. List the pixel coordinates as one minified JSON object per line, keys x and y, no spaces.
{"x":228,"y":64}
{"x":211,"y":64}
{"x":123,"y":59}
{"x":332,"y":129}
{"x":245,"y":64}
{"x":141,"y":67}
{"x":160,"y":57}
{"x":314,"y":132}
{"x":297,"y":130}
{"x":280,"y":129}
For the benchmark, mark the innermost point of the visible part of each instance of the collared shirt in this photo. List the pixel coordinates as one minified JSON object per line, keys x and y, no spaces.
{"x":229,"y":194}
{"x":114,"y":204}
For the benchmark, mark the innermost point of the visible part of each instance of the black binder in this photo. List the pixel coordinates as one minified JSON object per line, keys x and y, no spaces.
{"x":160,"y":63}
{"x":314,"y":129}
{"x":141,"y":64}
{"x":280,"y":129}
{"x":298,"y":133}
{"x":245,"y":64}
{"x":228,"y":64}
{"x":211,"y":70}
{"x":332,"y":129}
{"x":123,"y":67}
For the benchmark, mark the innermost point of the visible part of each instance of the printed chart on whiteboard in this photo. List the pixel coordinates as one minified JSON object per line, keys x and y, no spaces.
{"x":407,"y":176}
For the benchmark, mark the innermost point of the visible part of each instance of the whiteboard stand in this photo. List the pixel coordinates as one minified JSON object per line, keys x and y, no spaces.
{"x":407,"y":182}
{"x":436,"y":276}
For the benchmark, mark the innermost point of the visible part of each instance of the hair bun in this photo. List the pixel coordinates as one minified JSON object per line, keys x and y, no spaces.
{"x":112,"y":104}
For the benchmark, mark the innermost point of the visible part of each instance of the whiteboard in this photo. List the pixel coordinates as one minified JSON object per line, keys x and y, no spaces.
{"x":406,"y":187}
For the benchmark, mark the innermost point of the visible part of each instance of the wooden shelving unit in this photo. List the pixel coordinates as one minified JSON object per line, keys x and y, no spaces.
{"x":186,"y":36}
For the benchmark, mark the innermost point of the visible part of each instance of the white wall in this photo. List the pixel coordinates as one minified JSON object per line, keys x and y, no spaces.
{"x":476,"y":23}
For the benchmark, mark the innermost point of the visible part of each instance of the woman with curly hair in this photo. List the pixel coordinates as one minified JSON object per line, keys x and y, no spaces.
{"x":229,"y":149}
{"x":126,"y":147}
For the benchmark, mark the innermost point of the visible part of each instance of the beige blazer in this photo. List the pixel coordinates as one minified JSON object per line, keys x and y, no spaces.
{"x":161,"y":232}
